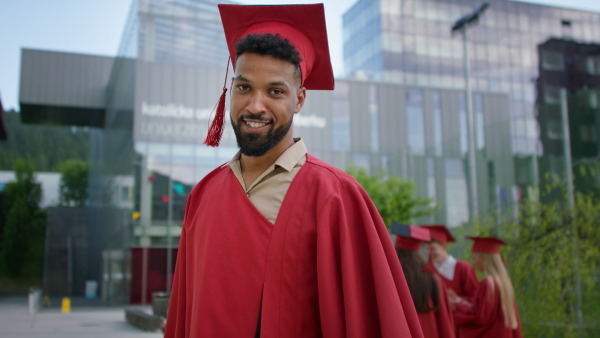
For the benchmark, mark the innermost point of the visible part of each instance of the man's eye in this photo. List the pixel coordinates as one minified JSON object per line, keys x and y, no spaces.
{"x":243,"y":87}
{"x":277,"y":91}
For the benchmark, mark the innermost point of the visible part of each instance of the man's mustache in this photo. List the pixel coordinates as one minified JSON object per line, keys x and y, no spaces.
{"x":257,"y":117}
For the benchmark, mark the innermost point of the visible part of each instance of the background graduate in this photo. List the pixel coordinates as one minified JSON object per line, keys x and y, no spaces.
{"x":492,"y":312}
{"x":277,"y":243}
{"x":457,"y":275}
{"x":427,"y":290}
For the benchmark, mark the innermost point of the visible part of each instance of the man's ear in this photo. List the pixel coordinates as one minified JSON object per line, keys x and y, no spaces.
{"x":300,"y":97}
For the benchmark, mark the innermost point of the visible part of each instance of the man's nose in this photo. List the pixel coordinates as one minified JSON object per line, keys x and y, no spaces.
{"x":257,"y":103}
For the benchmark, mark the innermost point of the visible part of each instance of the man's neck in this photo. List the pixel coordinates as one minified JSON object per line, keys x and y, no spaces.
{"x":444,"y":260}
{"x":253,"y":166}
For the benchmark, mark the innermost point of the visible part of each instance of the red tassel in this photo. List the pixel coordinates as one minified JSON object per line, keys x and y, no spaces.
{"x":429,"y":267}
{"x":215,"y":131}
{"x":218,"y":124}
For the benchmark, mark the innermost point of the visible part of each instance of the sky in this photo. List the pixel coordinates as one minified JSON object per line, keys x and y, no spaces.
{"x":96,"y":26}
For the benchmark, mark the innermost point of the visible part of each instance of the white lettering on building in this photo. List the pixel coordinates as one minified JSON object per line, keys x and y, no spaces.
{"x":179,"y":111}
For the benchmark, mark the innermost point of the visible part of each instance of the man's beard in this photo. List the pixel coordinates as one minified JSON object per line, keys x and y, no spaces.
{"x":257,"y":144}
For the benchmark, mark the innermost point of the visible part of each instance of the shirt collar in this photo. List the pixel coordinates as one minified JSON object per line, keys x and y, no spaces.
{"x":447,"y":267}
{"x":450,"y":261}
{"x":292,"y":155}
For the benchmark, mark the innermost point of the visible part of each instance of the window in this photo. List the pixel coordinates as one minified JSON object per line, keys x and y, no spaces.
{"x":593,"y":100}
{"x":491,"y":174}
{"x":385,"y":163}
{"x":437,"y":123}
{"x":415,"y":124}
{"x":519,"y":127}
{"x":159,"y":152}
{"x":587,"y":133}
{"x":592,"y":65}
{"x":457,"y":198}
{"x":552,"y":61}
{"x":554,"y":131}
{"x":362,"y":161}
{"x":226,"y":153}
{"x":125,"y":194}
{"x":462,"y":117}
{"x":341,"y":117}
{"x":479,"y":121}
{"x":552,"y":94}
{"x":374,"y":118}
{"x":431,"y":189}
{"x":182,"y":154}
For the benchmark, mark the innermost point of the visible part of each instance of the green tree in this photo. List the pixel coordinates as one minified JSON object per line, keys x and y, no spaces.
{"x":22,"y":250}
{"x":552,"y":250}
{"x":395,"y":198}
{"x":73,"y":182}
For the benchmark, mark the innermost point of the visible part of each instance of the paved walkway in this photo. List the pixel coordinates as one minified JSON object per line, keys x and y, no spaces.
{"x":83,"y":321}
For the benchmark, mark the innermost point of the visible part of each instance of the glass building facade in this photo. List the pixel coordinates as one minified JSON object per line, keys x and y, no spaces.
{"x":402,"y":107}
{"x":409,"y":42}
{"x":146,"y":159}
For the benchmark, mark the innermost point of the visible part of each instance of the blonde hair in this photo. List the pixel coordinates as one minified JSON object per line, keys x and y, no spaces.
{"x":494,"y":267}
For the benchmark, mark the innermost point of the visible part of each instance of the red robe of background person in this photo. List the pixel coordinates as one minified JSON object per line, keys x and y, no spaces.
{"x":440,"y":323}
{"x":327,"y":267}
{"x":464,"y":282}
{"x":485,"y":318}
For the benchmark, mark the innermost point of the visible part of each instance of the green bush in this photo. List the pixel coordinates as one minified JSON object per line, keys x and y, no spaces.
{"x":395,"y":198}
{"x":22,"y":240}
{"x":552,"y":249}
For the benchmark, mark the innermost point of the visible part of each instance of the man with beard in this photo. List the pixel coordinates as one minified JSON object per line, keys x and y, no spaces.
{"x":277,"y":243}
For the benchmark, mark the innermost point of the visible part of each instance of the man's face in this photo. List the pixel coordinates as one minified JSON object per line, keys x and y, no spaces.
{"x":437,"y":250}
{"x":265,"y":96}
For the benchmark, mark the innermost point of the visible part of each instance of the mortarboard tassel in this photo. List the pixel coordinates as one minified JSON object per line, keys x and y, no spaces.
{"x":215,"y":131}
{"x":429,"y":267}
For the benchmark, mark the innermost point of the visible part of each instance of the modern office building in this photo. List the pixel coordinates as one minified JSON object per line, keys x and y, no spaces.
{"x":410,"y":42}
{"x":574,"y":66}
{"x":401,"y":107}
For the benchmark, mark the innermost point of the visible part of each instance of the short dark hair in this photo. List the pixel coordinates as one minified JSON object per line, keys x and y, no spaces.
{"x":269,"y":44}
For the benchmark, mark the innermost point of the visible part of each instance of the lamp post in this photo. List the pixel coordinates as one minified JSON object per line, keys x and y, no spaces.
{"x":564,"y":115}
{"x":461,"y":26}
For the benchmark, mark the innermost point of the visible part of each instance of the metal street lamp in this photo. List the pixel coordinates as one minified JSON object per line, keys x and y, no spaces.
{"x":461,"y":26}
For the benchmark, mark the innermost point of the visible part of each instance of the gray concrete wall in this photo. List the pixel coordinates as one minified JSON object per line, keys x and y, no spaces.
{"x":63,"y":88}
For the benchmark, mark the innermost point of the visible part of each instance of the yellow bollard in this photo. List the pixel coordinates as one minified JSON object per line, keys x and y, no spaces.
{"x":66,"y":305}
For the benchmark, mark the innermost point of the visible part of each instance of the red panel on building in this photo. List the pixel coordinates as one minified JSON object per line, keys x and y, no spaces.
{"x":150,"y":262}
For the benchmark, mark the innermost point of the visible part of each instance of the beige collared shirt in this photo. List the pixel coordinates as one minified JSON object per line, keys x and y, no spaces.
{"x":268,"y":191}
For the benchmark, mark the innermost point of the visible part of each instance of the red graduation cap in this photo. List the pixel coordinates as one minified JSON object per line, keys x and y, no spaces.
{"x":410,"y":237}
{"x":486,"y":244}
{"x":440,"y":233}
{"x":303,"y":25}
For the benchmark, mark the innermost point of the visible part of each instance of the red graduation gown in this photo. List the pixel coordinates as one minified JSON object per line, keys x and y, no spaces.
{"x":485,"y":318}
{"x":464,"y":282}
{"x":438,"y":324}
{"x":326,"y":268}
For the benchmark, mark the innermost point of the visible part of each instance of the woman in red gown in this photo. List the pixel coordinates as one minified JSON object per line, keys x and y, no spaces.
{"x":427,"y":290}
{"x":492,"y":312}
